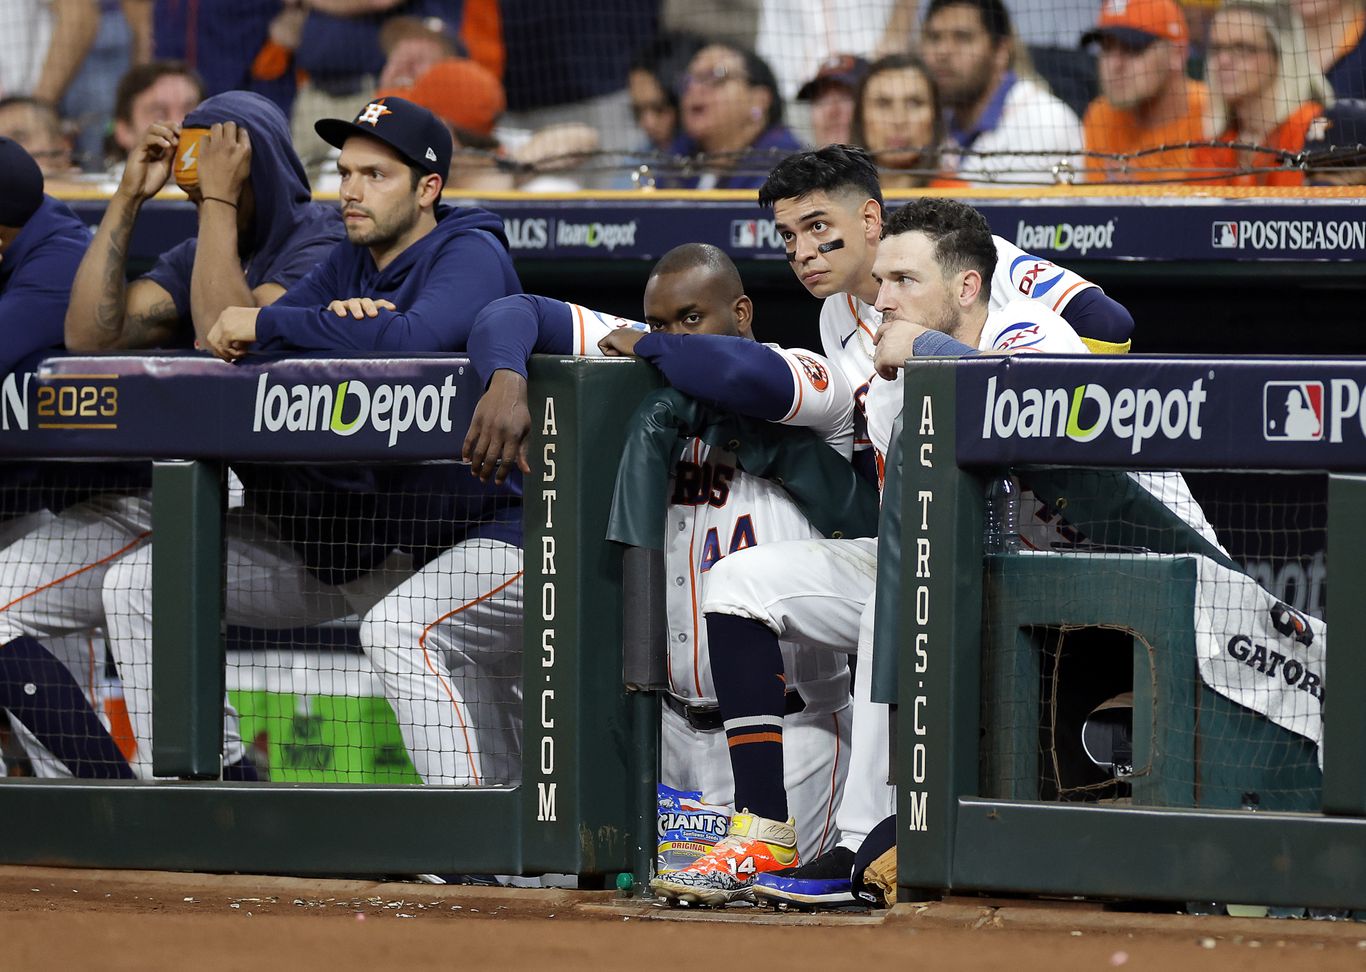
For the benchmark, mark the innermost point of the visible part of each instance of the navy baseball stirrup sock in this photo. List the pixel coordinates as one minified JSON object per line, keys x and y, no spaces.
{"x":747,"y":667}
{"x":44,"y":696}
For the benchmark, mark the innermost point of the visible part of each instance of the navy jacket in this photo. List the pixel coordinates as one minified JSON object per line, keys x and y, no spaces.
{"x":35,"y":282}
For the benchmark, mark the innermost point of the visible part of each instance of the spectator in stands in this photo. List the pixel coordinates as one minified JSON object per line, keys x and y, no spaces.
{"x":1263,"y":92}
{"x":41,"y":244}
{"x":469,"y":99}
{"x":1335,"y":34}
{"x":899,"y":121}
{"x":42,"y":45}
{"x":733,"y":118}
{"x":159,"y":91}
{"x":36,"y":126}
{"x":1335,"y":146}
{"x":831,"y":93}
{"x":1146,"y":98}
{"x":654,"y":81}
{"x":992,"y":113}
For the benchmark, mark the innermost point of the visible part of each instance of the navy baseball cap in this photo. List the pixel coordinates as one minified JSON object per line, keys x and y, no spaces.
{"x":410,"y":130}
{"x":1338,"y":136}
{"x":21,"y":184}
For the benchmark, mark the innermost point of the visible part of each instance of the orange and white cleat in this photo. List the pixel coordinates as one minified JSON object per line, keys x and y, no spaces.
{"x":754,"y":846}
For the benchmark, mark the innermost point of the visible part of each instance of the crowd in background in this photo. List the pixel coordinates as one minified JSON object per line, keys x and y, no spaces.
{"x":673,"y":94}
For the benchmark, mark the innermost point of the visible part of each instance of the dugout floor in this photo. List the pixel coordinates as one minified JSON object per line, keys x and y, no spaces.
{"x":52,"y":918}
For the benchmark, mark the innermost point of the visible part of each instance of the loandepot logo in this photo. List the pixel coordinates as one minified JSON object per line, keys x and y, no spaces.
{"x":1085,"y":412}
{"x":609,"y":236}
{"x":349,"y":406}
{"x":1078,"y":238}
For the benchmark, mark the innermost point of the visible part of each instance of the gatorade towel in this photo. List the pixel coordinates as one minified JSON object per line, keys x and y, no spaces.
{"x":688,"y":828}
{"x":187,"y":157}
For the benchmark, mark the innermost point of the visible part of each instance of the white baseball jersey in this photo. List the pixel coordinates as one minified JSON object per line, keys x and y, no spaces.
{"x":1024,"y":327}
{"x":715,"y":509}
{"x":848,"y":324}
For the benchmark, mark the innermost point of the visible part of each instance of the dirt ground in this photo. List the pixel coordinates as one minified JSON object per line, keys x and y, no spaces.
{"x":53,"y":918}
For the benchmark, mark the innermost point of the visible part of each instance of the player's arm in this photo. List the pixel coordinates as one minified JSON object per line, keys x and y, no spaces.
{"x":1095,"y":315}
{"x":504,"y":336}
{"x":217,"y":281}
{"x":1077,"y":300}
{"x":106,"y":312}
{"x":464,"y":278}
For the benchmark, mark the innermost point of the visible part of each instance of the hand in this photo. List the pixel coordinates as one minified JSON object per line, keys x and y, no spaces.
{"x":621,"y":342}
{"x":224,"y":161}
{"x":359,"y":307}
{"x":410,"y":58}
{"x":234,"y":332}
{"x":149,"y":164}
{"x":499,"y":429}
{"x":895,"y":342}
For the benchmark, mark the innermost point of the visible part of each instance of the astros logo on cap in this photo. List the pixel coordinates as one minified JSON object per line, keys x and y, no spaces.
{"x":373,"y":112}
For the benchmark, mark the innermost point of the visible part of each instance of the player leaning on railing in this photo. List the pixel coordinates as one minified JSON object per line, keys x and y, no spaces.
{"x":699,"y":336}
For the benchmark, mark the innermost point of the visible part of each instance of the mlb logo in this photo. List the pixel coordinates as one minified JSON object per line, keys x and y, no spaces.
{"x":744,"y":233}
{"x":1225,"y":236}
{"x":1292,"y":411}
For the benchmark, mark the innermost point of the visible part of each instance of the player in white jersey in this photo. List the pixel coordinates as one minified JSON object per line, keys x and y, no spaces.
{"x":828,"y":208}
{"x":697,"y":332}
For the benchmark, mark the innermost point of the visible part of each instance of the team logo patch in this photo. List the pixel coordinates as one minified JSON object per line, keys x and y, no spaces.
{"x":1292,"y":411}
{"x":815,"y":372}
{"x":373,"y":112}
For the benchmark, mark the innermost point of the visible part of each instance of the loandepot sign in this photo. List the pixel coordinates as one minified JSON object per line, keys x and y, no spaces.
{"x":1084,"y":412}
{"x":349,"y":406}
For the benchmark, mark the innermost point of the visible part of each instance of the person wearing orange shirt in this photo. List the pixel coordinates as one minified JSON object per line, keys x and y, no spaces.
{"x":1263,"y":91}
{"x":1146,"y":99}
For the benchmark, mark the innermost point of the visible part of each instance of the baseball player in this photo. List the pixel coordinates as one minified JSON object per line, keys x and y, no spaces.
{"x":931,"y":268}
{"x":315,"y":543}
{"x":698,"y":321}
{"x":827,"y":205}
{"x":259,"y":231}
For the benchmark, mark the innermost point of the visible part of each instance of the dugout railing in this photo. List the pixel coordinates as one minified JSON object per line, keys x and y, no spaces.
{"x":586,"y":802}
{"x":963,"y":635}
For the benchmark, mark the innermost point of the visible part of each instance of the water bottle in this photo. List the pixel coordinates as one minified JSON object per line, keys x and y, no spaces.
{"x":1001,"y":533}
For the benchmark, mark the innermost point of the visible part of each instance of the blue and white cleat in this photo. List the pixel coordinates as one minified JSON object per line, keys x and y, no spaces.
{"x":826,"y":881}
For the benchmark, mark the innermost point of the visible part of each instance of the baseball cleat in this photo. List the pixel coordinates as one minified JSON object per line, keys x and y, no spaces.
{"x":825,"y":881}
{"x":754,"y":846}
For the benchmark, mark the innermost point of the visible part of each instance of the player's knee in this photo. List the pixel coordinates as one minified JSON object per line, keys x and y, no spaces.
{"x":733,"y":588}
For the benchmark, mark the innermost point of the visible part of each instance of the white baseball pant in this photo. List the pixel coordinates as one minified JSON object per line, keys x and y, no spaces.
{"x":447,"y":644}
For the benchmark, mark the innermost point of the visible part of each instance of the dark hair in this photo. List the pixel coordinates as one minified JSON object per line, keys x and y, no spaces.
{"x":712,"y":260}
{"x":929,"y":157}
{"x":832,"y":169}
{"x":49,"y":113}
{"x":666,"y":59}
{"x":139,"y":78}
{"x":757,"y":75}
{"x":995,"y":16}
{"x":962,"y":239}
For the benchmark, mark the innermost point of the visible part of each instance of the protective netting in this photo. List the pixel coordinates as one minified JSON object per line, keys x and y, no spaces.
{"x":544,"y":95}
{"x":373,"y":637}
{"x":1127,"y":661}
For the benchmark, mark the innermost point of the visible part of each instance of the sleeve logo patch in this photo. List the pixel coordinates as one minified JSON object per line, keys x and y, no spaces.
{"x":815,"y":372}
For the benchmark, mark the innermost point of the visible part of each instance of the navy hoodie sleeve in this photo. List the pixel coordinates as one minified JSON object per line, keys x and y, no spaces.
{"x":735,"y":373}
{"x":1094,"y":315}
{"x":511,"y":329}
{"x":317,"y":288}
{"x":464,"y":278}
{"x":33,"y":306}
{"x":172,"y":272}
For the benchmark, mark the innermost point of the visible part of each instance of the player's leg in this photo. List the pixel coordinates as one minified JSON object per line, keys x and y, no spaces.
{"x":816,"y":760}
{"x":50,"y":582}
{"x":809,"y":593}
{"x":867,"y":797}
{"x":266,"y":586}
{"x":447,"y":646}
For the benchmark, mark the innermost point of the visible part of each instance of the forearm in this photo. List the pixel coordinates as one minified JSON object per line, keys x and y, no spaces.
{"x":95,"y":316}
{"x":75,"y":23}
{"x":743,"y":376}
{"x":138,"y":14}
{"x":217,"y":281}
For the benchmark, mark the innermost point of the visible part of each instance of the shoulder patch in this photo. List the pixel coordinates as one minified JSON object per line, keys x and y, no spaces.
{"x":815,"y":372}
